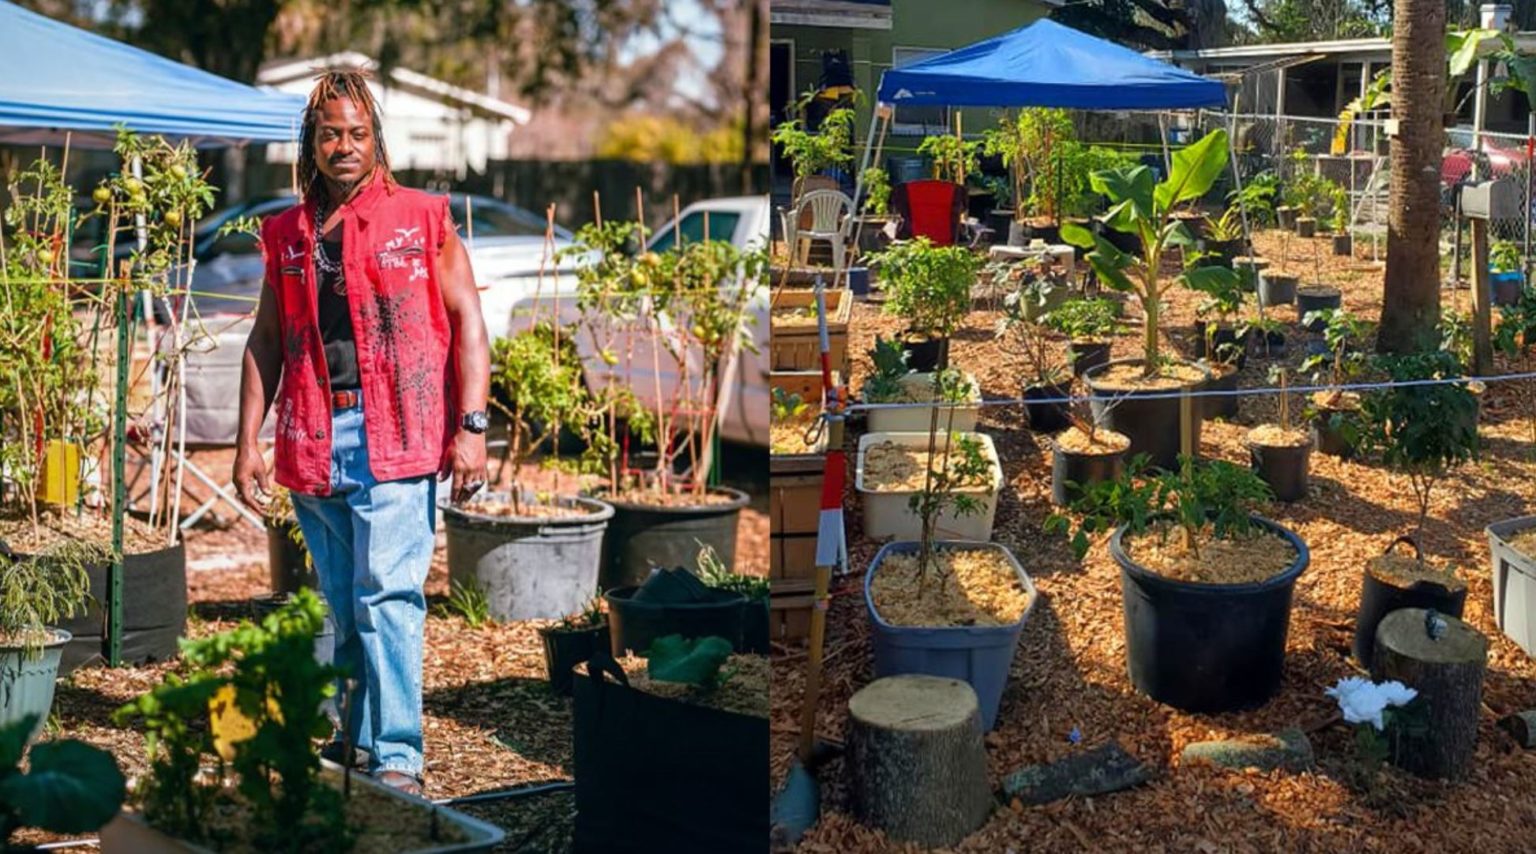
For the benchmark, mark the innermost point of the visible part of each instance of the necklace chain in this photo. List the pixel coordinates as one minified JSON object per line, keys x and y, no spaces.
{"x":323,"y":262}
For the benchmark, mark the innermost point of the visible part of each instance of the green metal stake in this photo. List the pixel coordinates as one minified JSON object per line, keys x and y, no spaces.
{"x":119,"y":490}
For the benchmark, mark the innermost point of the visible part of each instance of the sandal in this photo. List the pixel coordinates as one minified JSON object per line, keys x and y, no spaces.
{"x":400,"y":782}
{"x":335,"y":751}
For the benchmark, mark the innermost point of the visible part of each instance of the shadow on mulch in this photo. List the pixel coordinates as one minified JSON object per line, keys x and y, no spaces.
{"x":512,"y":707}
{"x":541,"y":824}
{"x":1339,"y":503}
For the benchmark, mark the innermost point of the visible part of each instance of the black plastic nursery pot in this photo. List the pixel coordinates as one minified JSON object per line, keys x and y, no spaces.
{"x":1379,"y":597}
{"x":1207,"y":647}
{"x":1049,"y":232}
{"x":755,"y":619}
{"x":1047,"y":417}
{"x":1316,"y":298}
{"x":1223,"y":401}
{"x":1286,"y":468}
{"x":1267,"y":344}
{"x":655,"y":774}
{"x":1226,"y":340}
{"x":566,"y":648}
{"x":154,"y":611}
{"x":1343,"y":244}
{"x":1072,"y":470}
{"x":1337,"y":431}
{"x":287,"y":563}
{"x":640,"y":536}
{"x":1150,"y":419}
{"x":1306,"y":226}
{"x":1276,"y":289}
{"x":1285,"y":217}
{"x":1087,"y":355}
{"x":634,"y":624}
{"x":1223,"y":250}
{"x":922,"y":353}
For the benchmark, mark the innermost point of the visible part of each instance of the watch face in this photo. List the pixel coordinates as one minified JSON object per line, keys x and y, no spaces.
{"x":476,"y":421}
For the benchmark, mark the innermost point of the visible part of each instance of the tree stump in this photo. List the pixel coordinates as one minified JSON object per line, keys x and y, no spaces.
{"x":917,"y":766}
{"x":1448,"y":674}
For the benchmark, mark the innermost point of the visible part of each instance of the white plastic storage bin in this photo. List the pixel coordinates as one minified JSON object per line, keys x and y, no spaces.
{"x":889,"y":514}
{"x":917,"y":419}
{"x":1514,"y":583}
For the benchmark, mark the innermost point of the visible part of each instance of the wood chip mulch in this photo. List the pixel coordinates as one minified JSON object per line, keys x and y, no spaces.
{"x":1070,"y":669}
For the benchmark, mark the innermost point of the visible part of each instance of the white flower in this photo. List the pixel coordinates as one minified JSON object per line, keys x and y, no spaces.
{"x":1363,"y":701}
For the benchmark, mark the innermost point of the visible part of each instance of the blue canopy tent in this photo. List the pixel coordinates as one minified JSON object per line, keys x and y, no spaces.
{"x":1043,"y":64}
{"x":56,"y":78}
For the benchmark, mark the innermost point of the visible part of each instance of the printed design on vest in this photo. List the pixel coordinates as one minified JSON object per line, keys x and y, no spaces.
{"x":297,"y":341}
{"x":288,"y":424}
{"x":387,"y":319}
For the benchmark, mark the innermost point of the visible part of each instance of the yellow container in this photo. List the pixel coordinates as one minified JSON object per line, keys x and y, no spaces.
{"x":61,"y":472}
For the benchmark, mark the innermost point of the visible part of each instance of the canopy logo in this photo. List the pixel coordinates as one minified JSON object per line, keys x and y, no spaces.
{"x":900,"y":94}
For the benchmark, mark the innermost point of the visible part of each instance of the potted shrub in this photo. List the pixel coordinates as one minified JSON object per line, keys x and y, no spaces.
{"x":259,"y":689}
{"x":691,"y":721}
{"x":289,"y":563}
{"x":892,"y":382}
{"x":948,"y":607}
{"x":953,"y":158}
{"x":1219,"y":342}
{"x":1282,"y":453}
{"x":1084,"y":454}
{"x":1048,"y":380}
{"x":1089,"y":325}
{"x":1421,"y":432}
{"x":1343,"y":242}
{"x":1035,"y":146}
{"x":36,"y":593}
{"x":1206,"y":584}
{"x":51,"y":402}
{"x":930,"y":286}
{"x":877,"y":211}
{"x":573,"y":640}
{"x":814,"y":152}
{"x":895,"y":473}
{"x":1141,"y":208}
{"x":69,"y":786}
{"x":1335,"y":413}
{"x":691,"y":306}
{"x":1223,"y":239}
{"x":534,"y":555}
{"x":1505,"y":272}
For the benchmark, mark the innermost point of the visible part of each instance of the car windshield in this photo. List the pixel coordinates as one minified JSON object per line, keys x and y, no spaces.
{"x":498,"y":219}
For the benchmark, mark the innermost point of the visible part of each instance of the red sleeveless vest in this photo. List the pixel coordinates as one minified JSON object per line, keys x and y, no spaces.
{"x":390,"y":243}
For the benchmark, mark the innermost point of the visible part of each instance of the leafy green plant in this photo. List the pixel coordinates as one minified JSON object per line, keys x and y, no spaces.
{"x":1085,"y":319}
{"x":262,"y":689}
{"x":1144,"y":209}
{"x":715,"y":574}
{"x":1504,"y":257}
{"x":1344,"y":334}
{"x":1020,"y":334}
{"x":468,"y":600}
{"x":698,"y":661}
{"x":1422,"y":431}
{"x":537,"y":382}
{"x":786,"y":406}
{"x":1456,"y":336}
{"x":888,"y":361}
{"x":1257,"y":197}
{"x":1214,"y":497}
{"x":929,"y":285}
{"x":877,"y":191}
{"x":590,"y":616}
{"x":953,"y":157}
{"x":1227,"y":227}
{"x":1031,"y":145}
{"x":812,"y":152}
{"x":37,"y":592}
{"x":961,"y":464}
{"x":69,"y":786}
{"x":1340,"y":216}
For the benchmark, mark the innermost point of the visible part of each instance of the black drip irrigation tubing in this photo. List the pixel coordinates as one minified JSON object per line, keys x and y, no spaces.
{"x":1176,"y":395}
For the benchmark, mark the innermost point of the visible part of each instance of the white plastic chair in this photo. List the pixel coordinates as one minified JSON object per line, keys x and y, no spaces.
{"x":831,"y":215}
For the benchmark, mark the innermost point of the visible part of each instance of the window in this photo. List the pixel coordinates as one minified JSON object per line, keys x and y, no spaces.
{"x":924,"y":121}
{"x":722,"y":226}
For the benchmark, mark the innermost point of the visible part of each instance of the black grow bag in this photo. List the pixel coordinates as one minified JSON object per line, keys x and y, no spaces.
{"x":1379,"y":598}
{"x":154,"y":611}
{"x":655,"y":774}
{"x":634,"y":625}
{"x":1207,"y":647}
{"x":566,"y":648}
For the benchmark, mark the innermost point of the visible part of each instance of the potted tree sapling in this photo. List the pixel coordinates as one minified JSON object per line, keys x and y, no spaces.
{"x":948,"y":607}
{"x":1206,"y":583}
{"x":1090,"y":325}
{"x":1041,"y":288}
{"x":877,"y":214}
{"x":36,"y":594}
{"x":953,"y":158}
{"x":1316,"y":296}
{"x":930,"y":286}
{"x":535,"y":555}
{"x":69,"y":786}
{"x":573,"y":640}
{"x":1335,"y":413}
{"x":1034,"y":146}
{"x":1505,"y":272}
{"x":1220,"y":343}
{"x":1049,"y":381}
{"x":1223,"y":239}
{"x":1084,"y":454}
{"x":1343,"y":241}
{"x":1422,"y":432}
{"x":1281,"y":452}
{"x":891,"y":382}
{"x":1143,"y":208}
{"x":893,"y":472}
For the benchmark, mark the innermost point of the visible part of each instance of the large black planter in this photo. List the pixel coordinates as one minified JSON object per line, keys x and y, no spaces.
{"x":1379,"y":598}
{"x":287,"y":562}
{"x":1070,"y":471}
{"x":1285,"y":468}
{"x":1316,"y":298}
{"x":922,"y":353}
{"x":566,"y":648}
{"x":154,"y":611}
{"x":641,"y":536}
{"x":1150,"y":419}
{"x":1087,"y":355}
{"x":1223,"y":403}
{"x":1047,"y":417}
{"x":755,"y":638}
{"x":1207,"y":647}
{"x":656,"y":774}
{"x":634,"y":624}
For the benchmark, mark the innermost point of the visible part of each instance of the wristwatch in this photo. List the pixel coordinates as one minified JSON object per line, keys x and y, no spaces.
{"x":476,"y":421}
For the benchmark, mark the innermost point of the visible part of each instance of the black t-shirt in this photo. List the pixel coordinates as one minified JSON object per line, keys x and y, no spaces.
{"x":336,"y":322}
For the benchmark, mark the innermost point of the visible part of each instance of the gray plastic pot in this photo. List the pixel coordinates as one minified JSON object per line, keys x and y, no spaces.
{"x":1514,"y":583}
{"x":1276,"y":289}
{"x":980,"y":656}
{"x":529,"y":569}
{"x":26,"y":682}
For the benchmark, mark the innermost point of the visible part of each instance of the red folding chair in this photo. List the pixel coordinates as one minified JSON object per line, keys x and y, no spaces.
{"x":931,"y":209}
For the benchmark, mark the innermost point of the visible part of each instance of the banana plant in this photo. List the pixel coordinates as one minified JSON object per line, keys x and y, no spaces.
{"x":1142,"y":208}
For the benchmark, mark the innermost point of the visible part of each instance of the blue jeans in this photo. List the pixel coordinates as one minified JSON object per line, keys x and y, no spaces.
{"x":372,"y":545}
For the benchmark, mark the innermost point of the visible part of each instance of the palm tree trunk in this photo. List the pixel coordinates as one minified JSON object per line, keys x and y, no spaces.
{"x":1411,"y":304}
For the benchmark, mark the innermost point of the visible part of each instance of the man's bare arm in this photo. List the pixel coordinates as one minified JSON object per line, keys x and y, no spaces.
{"x":260,"y":370}
{"x":472,"y":358}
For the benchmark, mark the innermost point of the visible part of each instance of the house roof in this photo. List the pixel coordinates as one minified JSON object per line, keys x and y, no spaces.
{"x":286,"y":71}
{"x":1372,"y":48}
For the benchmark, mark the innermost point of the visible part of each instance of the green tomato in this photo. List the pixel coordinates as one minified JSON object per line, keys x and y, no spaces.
{"x":133,"y":185}
{"x":639,"y":279}
{"x":102,"y":195}
{"x":178,"y":171}
{"x":173,"y":219}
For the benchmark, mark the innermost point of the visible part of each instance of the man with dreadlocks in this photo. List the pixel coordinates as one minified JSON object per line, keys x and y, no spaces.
{"x":371,"y":322}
